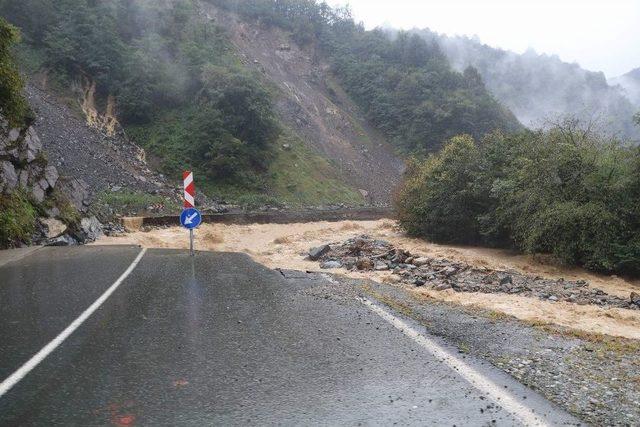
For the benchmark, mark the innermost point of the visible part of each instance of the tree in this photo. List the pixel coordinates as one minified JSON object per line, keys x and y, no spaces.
{"x":12,"y":104}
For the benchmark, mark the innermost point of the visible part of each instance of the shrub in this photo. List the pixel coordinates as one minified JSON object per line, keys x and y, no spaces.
{"x":12,"y":104}
{"x":564,"y":191}
{"x":17,"y":219}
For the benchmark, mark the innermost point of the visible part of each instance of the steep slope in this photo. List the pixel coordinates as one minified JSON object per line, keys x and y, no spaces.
{"x":539,"y":87}
{"x":310,"y":103}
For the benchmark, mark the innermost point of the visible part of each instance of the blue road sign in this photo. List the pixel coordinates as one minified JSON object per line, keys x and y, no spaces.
{"x":190,"y":218}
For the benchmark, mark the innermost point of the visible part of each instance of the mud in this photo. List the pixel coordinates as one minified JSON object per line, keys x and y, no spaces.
{"x":286,"y":245}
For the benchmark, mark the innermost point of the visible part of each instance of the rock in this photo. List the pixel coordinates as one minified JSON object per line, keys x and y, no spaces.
{"x":316,"y":253}
{"x":78,"y":192}
{"x":330,"y":264}
{"x":442,"y":287}
{"x":23,"y":178}
{"x":14,"y":134}
{"x":64,"y":240}
{"x":53,"y":212}
{"x":364,"y":263}
{"x":90,"y":228}
{"x":8,"y":177}
{"x":51,"y":175}
{"x":286,"y":147}
{"x":37,"y":193}
{"x":381,"y":266}
{"x":52,"y":227}
{"x":553,"y":298}
{"x":420,"y":261}
{"x":635,"y":298}
{"x":32,"y":140}
{"x":506,"y":280}
{"x":419,"y":282}
{"x":448,"y":271}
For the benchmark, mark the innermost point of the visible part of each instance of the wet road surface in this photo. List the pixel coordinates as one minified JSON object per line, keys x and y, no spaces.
{"x":219,"y":340}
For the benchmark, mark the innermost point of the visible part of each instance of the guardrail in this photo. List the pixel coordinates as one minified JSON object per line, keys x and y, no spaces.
{"x":266,"y":217}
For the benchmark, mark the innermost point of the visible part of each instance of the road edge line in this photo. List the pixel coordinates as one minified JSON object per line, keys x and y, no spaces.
{"x":501,"y":397}
{"x":28,"y":366}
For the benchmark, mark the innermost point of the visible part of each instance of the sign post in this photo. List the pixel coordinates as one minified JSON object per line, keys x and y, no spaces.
{"x":190,"y":217}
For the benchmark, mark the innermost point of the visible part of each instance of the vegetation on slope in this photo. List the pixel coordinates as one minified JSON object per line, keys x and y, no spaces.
{"x":565,"y":191}
{"x":405,"y":85}
{"x":12,"y":104}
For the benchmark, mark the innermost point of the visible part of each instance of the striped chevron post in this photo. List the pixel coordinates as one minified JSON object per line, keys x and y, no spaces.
{"x":189,"y":190}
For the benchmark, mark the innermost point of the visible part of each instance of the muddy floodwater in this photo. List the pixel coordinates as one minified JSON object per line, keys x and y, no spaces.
{"x":286,"y":246}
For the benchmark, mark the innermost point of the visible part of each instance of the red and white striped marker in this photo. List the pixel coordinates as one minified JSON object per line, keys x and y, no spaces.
{"x":189,"y":190}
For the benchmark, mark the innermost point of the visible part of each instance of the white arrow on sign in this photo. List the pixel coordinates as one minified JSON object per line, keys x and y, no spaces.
{"x":188,"y":220}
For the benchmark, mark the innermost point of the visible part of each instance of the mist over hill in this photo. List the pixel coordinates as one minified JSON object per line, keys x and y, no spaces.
{"x":630,"y":85}
{"x":539,"y":88}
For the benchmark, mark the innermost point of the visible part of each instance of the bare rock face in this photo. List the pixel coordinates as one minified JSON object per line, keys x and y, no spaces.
{"x":52,"y":227}
{"x":22,"y":164}
{"x":8,"y":177}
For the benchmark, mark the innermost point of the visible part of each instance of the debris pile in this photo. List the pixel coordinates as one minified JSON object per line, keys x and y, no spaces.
{"x":364,"y":253}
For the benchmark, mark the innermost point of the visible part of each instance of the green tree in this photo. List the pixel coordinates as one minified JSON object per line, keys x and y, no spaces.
{"x":12,"y":104}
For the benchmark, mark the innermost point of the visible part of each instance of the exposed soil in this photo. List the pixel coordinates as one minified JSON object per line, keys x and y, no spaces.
{"x":104,"y":163}
{"x":316,"y":109}
{"x":286,"y":246}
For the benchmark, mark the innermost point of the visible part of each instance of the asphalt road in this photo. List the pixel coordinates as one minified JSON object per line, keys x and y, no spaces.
{"x":220,"y":340}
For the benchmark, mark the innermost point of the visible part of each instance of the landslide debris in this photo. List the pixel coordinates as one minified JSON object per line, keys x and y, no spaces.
{"x":364,"y":253}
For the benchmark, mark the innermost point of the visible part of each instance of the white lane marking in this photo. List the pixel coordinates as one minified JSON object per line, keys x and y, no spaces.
{"x":14,"y":378}
{"x":523,"y":413}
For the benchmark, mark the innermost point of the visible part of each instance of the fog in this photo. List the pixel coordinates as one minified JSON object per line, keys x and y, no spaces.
{"x":599,"y":35}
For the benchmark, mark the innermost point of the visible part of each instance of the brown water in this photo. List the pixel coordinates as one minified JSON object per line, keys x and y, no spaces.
{"x":285,"y":246}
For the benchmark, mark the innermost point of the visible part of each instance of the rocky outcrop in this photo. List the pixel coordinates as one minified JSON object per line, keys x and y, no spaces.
{"x":23,"y":164}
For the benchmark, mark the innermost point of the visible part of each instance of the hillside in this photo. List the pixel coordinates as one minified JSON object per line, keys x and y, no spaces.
{"x":539,"y":87}
{"x":288,"y":102}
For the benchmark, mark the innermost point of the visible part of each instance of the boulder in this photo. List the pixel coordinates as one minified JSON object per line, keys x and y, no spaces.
{"x":23,"y":178}
{"x":316,"y":253}
{"x":8,"y":177}
{"x":52,"y":227}
{"x":51,"y":175}
{"x":90,"y":229}
{"x":64,"y":240}
{"x":32,"y":141}
{"x":37,"y":193}
{"x":330,"y":264}
{"x":14,"y":134}
{"x":635,"y":298}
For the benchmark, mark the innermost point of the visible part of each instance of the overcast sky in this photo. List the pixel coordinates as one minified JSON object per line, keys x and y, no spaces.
{"x":600,"y":35}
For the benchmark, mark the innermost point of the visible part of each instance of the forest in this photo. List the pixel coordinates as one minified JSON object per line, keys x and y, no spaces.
{"x":404,"y":84}
{"x":568,"y":191}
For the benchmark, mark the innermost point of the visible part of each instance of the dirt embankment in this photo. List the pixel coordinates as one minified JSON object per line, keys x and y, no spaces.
{"x":286,"y":246}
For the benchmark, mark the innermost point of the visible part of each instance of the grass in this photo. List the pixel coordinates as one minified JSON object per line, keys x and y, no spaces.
{"x":129,"y":201}
{"x":296,"y":177}
{"x":300,"y":177}
{"x":17,"y":219}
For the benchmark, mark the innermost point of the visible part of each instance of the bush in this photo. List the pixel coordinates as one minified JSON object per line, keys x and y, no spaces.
{"x":564,"y":191}
{"x":17,"y":219}
{"x":12,"y":104}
